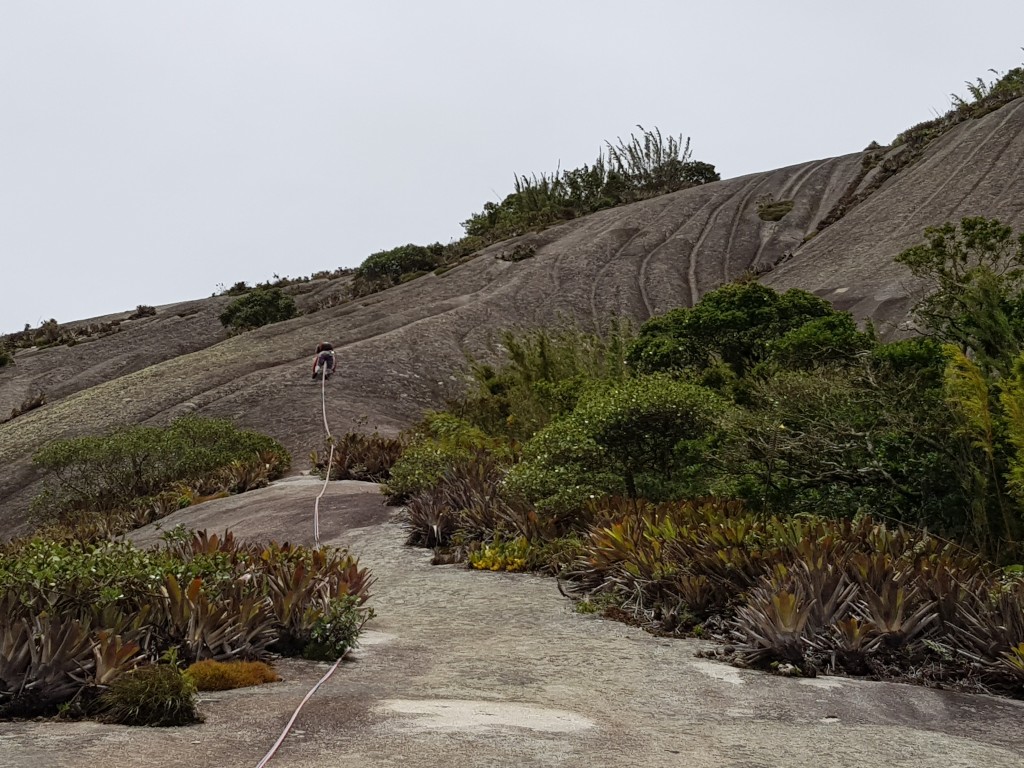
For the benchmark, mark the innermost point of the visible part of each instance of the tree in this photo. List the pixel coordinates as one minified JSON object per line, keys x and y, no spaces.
{"x":991,"y":434}
{"x":974,"y":274}
{"x":388,"y":267}
{"x":824,"y":341}
{"x":735,"y":324}
{"x":261,"y":306}
{"x":636,"y":436}
{"x":870,"y":436}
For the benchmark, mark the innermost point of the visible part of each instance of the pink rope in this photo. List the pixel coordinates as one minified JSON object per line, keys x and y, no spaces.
{"x":316,"y":539}
{"x":295,"y":714}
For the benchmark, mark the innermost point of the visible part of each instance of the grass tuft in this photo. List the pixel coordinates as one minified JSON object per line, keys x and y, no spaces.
{"x":158,"y":695}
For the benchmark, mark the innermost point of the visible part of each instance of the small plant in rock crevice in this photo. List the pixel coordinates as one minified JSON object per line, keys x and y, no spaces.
{"x":770,"y":209}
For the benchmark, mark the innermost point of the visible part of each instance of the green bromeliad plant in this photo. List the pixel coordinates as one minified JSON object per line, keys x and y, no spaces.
{"x":75,"y":616}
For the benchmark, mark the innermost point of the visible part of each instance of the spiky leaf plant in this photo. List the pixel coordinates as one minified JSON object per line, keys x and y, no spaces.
{"x":156,"y":695}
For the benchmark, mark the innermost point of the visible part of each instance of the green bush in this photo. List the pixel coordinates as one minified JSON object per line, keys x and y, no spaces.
{"x":336,"y":630}
{"x":921,"y":358}
{"x":116,"y":471}
{"x":259,"y":307}
{"x":846,"y":441}
{"x":642,"y":167}
{"x":156,"y":695}
{"x":735,"y":323}
{"x":833,"y":339}
{"x":6,"y":358}
{"x":975,"y":274}
{"x":386,"y":268}
{"x":541,"y":375}
{"x":75,"y":616}
{"x":439,"y":442}
{"x":639,"y":435}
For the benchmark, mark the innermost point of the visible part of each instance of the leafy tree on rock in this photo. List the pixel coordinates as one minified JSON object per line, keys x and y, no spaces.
{"x":259,"y":307}
{"x":975,"y":275}
{"x":641,"y":432}
{"x":735,"y":324}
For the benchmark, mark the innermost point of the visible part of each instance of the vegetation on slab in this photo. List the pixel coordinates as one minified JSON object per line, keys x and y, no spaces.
{"x":758,"y":469}
{"x":77,"y":617}
{"x":99,"y":486}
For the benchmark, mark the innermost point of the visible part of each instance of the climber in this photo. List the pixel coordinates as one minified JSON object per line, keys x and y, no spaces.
{"x":325,"y":358}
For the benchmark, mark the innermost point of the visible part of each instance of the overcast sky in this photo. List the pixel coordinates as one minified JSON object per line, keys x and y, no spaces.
{"x":150,"y":151}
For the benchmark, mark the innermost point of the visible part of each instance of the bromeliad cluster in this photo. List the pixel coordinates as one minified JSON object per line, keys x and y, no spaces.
{"x":75,"y":616}
{"x":813,"y":594}
{"x":358,"y":456}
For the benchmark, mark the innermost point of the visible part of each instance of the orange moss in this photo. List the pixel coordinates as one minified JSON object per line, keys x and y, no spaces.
{"x":210,"y":675}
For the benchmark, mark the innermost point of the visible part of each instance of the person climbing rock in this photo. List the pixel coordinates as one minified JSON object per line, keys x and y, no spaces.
{"x":325,"y":358}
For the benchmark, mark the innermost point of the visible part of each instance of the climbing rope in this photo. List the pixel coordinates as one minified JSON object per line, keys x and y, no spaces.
{"x":330,"y":458}
{"x":295,"y":714}
{"x":316,"y":540}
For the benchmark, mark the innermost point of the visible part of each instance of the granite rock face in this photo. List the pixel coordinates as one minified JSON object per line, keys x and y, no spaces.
{"x":402,"y":350}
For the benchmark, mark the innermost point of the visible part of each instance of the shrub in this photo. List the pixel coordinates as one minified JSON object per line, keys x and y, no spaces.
{"x":642,"y":167}
{"x":142,"y":310}
{"x":541,"y":376}
{"x":651,"y":165}
{"x":770,"y":209}
{"x":365,"y":457}
{"x":821,"y":342}
{"x":210,"y":675}
{"x":74,"y":616}
{"x":845,"y":441}
{"x":439,"y":442}
{"x":421,"y":467}
{"x":920,"y":358}
{"x":974,"y":272}
{"x":386,"y":268}
{"x":6,"y":358}
{"x":809,"y":594}
{"x":735,"y":323}
{"x":643,"y":433}
{"x":465,"y":501}
{"x":259,"y":307}
{"x":129,"y":467}
{"x":156,"y":695}
{"x":336,"y":630}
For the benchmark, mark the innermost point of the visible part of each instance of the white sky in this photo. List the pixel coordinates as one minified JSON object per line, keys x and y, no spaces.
{"x":149,"y":151}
